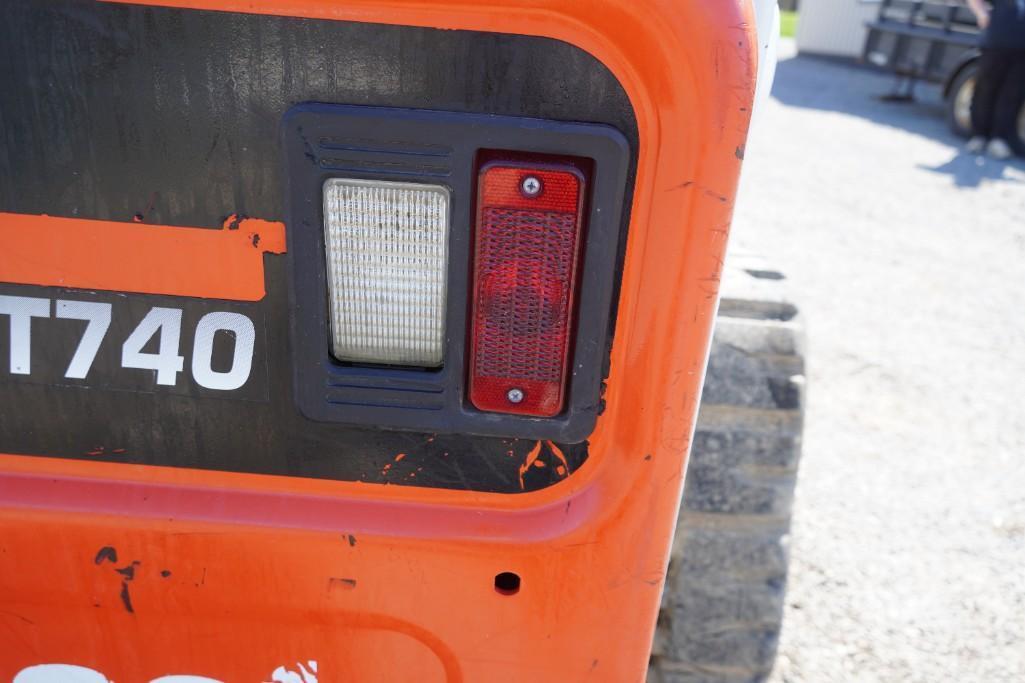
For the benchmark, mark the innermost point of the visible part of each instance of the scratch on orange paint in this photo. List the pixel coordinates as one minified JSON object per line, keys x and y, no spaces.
{"x":531,"y":457}
{"x":335,"y":584}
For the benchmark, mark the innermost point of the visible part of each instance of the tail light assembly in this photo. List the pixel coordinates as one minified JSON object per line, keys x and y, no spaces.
{"x":452,"y":272}
{"x":527,"y":234}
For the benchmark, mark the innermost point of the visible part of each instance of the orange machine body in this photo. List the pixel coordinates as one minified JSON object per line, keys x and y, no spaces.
{"x":230,"y":576}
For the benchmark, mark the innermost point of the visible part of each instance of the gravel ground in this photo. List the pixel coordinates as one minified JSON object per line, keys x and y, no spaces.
{"x":907,"y":257}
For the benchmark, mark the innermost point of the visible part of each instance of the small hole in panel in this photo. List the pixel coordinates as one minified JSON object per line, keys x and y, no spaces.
{"x":507,"y":583}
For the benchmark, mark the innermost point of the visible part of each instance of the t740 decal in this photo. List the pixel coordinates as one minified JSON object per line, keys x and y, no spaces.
{"x":118,"y":341}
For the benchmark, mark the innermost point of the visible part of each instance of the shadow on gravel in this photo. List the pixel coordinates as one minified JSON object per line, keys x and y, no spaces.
{"x":969,"y":170}
{"x":849,"y":88}
{"x":834,"y":85}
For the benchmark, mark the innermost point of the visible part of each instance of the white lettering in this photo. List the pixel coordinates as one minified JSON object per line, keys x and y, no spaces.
{"x":21,"y":310}
{"x":98,"y":315}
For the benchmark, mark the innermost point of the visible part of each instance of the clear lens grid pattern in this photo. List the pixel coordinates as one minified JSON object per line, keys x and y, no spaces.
{"x":387,"y":262}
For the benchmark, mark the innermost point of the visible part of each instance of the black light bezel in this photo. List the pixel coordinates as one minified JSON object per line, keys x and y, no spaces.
{"x":324,"y":141}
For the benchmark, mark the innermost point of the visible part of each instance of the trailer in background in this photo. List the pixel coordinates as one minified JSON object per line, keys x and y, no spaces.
{"x":936,"y":42}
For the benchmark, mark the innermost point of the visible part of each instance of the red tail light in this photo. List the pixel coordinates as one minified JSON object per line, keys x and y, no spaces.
{"x":527,"y":244}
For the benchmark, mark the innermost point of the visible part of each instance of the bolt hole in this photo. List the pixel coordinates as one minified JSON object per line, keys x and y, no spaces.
{"x":507,"y":583}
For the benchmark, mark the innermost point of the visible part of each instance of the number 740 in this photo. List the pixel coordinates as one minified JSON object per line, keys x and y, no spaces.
{"x":165,"y":322}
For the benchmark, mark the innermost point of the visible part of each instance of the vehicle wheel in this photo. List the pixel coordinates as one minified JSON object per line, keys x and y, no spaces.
{"x":1019,"y":144}
{"x":959,"y":101}
{"x":723,"y":602}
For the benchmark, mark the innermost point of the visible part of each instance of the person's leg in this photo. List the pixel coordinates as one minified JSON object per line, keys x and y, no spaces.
{"x":1008,"y":104}
{"x":993,"y":67}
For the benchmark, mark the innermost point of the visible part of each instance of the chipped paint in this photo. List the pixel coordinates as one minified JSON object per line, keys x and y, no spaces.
{"x":106,"y":554}
{"x":126,"y":598}
{"x":532,"y":456}
{"x":563,"y":468}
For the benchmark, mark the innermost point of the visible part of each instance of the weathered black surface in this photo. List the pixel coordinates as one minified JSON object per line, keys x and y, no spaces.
{"x":113,"y":111}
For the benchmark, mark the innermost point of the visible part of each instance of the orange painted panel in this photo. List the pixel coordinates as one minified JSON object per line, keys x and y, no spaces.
{"x":269,"y":570}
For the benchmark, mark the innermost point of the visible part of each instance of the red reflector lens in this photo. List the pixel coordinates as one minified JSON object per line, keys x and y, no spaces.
{"x":527,"y":242}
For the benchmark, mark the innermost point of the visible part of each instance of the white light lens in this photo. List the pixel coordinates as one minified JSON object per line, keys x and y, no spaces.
{"x":387,"y":261}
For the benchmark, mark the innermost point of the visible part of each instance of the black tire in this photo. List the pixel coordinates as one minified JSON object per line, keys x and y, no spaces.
{"x":723,"y":602}
{"x":958,"y":108}
{"x":1018,"y":143}
{"x":958,"y":102}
